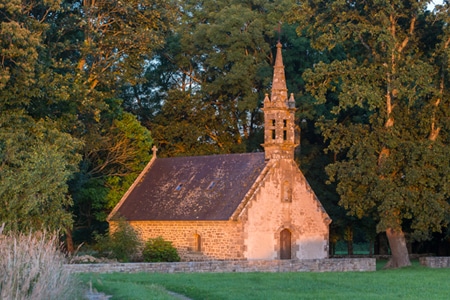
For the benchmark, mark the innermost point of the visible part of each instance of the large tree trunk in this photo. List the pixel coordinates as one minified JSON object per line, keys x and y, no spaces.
{"x":399,"y":251}
{"x":69,"y":240}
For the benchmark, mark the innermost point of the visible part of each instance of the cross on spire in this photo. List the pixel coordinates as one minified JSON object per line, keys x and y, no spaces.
{"x":279,"y":30}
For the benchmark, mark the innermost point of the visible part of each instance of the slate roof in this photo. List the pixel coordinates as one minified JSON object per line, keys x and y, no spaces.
{"x":192,"y":188}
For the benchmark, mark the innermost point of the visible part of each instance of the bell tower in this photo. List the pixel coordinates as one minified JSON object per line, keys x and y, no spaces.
{"x":280,"y":138}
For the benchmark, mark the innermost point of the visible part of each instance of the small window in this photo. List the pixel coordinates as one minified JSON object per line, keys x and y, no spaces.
{"x":287,"y":192}
{"x":179,"y":187}
{"x":284,"y":135}
{"x":284,"y":123}
{"x":273,"y":134}
{"x":197,"y":243}
{"x":273,"y":122}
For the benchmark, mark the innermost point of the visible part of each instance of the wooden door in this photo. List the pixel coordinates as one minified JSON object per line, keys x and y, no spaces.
{"x":285,"y":244}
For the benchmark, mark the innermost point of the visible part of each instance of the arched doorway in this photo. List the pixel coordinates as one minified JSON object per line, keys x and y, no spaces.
{"x":285,"y":244}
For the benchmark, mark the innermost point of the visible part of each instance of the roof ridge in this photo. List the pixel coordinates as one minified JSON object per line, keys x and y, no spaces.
{"x":213,"y":155}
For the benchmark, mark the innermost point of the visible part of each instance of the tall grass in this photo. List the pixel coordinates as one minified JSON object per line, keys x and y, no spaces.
{"x":32,"y":267}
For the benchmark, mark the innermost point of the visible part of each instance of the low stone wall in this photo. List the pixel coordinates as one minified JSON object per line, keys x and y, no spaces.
{"x":435,"y":262}
{"x":313,"y":265}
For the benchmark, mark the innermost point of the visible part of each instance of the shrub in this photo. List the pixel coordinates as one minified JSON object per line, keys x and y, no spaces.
{"x":32,"y":267}
{"x":160,"y":250}
{"x":121,"y":244}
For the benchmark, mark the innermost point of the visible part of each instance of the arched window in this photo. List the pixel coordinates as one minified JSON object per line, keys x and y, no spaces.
{"x":197,"y":243}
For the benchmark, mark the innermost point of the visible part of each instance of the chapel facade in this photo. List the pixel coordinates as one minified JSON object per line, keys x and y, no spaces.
{"x":234,"y":206}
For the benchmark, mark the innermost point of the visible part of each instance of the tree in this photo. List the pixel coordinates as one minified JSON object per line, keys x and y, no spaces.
{"x":36,"y":161}
{"x":95,"y":47}
{"x":217,"y":66}
{"x":186,"y":126}
{"x":117,"y":148}
{"x":37,"y":158}
{"x":109,"y":40}
{"x":61,"y":64}
{"x":390,"y":126}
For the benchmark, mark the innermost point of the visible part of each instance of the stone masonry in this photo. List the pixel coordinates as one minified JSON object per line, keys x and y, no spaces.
{"x":312,"y":265}
{"x":279,"y":205}
{"x":435,"y":262}
{"x":219,"y":239}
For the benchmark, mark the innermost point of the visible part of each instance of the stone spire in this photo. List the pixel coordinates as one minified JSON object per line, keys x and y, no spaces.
{"x":280,"y":138}
{"x":279,"y":89}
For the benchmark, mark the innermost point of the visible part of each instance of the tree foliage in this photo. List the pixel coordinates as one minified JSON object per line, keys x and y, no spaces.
{"x":104,"y":45}
{"x":389,"y":101}
{"x":211,"y":77}
{"x":36,"y":161}
{"x":61,"y":62}
{"x":79,"y":80}
{"x":122,"y":243}
{"x":117,"y":149}
{"x":36,"y":157}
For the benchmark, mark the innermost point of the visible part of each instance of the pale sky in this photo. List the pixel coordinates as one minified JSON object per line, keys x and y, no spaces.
{"x":431,"y":5}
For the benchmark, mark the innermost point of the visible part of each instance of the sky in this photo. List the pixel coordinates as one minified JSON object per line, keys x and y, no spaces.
{"x":431,"y":5}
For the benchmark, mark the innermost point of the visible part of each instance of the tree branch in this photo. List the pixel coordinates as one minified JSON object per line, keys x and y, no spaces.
{"x":410,"y":32}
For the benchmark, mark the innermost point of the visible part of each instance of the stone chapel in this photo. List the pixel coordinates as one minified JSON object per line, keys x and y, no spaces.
{"x":233,"y":206}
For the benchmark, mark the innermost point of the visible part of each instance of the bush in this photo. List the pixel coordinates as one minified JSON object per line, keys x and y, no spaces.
{"x":160,"y":250}
{"x":122,"y":244}
{"x":32,"y":267}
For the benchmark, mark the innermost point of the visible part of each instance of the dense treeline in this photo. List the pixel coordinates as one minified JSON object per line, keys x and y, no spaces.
{"x":86,"y":87}
{"x":68,"y":149}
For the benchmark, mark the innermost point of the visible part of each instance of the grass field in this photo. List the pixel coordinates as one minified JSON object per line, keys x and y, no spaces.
{"x":414,"y":282}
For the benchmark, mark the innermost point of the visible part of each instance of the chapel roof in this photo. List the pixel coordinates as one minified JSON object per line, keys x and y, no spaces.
{"x":192,"y":188}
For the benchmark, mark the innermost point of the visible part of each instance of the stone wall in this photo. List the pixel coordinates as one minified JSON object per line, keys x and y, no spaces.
{"x":435,"y":262}
{"x":312,"y":265}
{"x":285,"y":202}
{"x":221,"y":240}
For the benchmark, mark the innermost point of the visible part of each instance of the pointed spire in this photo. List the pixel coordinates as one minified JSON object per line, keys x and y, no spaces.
{"x":291,"y":101}
{"x":279,"y":89}
{"x":266,"y":100}
{"x":280,"y":136}
{"x":279,"y":57}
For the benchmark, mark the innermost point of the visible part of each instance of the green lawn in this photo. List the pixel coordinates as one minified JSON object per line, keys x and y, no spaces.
{"x":414,"y":282}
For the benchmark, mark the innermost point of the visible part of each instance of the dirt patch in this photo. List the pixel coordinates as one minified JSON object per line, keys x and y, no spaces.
{"x":94,"y":295}
{"x":178,"y":296}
